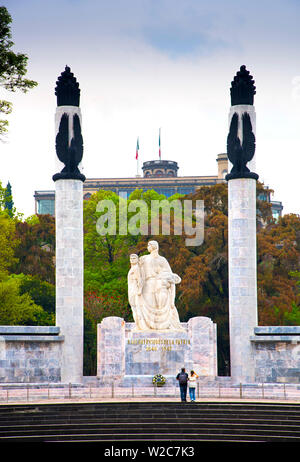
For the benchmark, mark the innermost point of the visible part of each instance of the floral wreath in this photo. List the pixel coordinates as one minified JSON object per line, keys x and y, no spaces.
{"x":159,"y":380}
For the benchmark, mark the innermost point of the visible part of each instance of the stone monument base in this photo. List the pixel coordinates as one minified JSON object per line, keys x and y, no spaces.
{"x":131,"y":357}
{"x":30,"y":354}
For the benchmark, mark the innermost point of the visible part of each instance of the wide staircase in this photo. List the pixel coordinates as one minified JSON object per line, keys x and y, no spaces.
{"x":150,"y":421}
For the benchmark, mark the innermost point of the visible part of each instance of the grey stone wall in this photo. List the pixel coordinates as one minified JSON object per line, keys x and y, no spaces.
{"x":30,"y":354}
{"x":276,"y":352}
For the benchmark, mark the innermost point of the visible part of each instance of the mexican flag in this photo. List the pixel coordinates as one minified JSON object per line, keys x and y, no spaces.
{"x":137,"y":149}
{"x":159,"y":150}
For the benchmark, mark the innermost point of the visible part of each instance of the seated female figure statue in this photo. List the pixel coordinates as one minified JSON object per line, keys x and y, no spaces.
{"x":151,"y":292}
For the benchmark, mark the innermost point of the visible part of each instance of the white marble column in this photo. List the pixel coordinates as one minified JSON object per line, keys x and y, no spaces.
{"x":242,"y":276}
{"x":69,"y":275}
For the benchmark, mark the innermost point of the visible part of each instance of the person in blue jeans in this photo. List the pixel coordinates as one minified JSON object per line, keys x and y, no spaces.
{"x":183,"y":378}
{"x":192,"y":386}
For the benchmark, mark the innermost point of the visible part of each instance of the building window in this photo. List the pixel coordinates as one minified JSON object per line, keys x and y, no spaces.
{"x":45,"y":207}
{"x":186,"y":190}
{"x":264,"y":197}
{"x":168,"y":192}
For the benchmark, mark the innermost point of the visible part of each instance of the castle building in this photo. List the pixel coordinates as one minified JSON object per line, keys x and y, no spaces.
{"x":159,"y":175}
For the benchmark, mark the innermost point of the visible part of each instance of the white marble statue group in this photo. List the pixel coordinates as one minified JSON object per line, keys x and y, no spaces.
{"x":151,"y":292}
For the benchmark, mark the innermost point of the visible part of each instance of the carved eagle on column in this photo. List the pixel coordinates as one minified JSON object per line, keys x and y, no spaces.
{"x":239,"y":153}
{"x":69,"y":154}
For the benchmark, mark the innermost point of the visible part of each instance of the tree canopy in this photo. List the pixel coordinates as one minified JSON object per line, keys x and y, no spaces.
{"x":13,"y":66}
{"x":16,"y":308}
{"x":27,"y":265}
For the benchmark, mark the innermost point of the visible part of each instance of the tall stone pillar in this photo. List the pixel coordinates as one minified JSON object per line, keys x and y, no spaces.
{"x":242,"y":253}
{"x":69,"y":226}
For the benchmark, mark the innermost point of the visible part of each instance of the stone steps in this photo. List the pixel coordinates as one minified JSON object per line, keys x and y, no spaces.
{"x":150,"y":422}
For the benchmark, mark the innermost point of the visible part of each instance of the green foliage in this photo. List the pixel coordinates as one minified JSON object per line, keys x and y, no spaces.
{"x":17,"y":309}
{"x":32,"y":220}
{"x":108,"y":303}
{"x":8,"y":200}
{"x":27,"y":249}
{"x":102,"y":250}
{"x":90,"y":346}
{"x":35,"y":251}
{"x":146,"y":196}
{"x":109,"y":300}
{"x":5,"y":108}
{"x":41,"y":292}
{"x":292,"y":317}
{"x":13,"y":66}
{"x":106,"y":261}
{"x":176,"y":196}
{"x":8,"y":243}
{"x":296,"y":275}
{"x":2,"y":197}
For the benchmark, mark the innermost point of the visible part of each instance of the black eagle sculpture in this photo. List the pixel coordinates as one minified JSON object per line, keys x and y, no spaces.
{"x":69,"y":154}
{"x":239,"y":153}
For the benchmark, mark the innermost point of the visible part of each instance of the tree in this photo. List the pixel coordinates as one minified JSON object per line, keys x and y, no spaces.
{"x":106,"y":264}
{"x":106,"y":256}
{"x":278,"y":264}
{"x":101,"y":249}
{"x":204,"y":269}
{"x":17,"y":309}
{"x":214,"y":197}
{"x":36,"y":249}
{"x":100,"y":305}
{"x":8,"y":201}
{"x":2,"y":197}
{"x":8,"y":243}
{"x":13,"y":66}
{"x":89,"y":347}
{"x":41,"y":292}
{"x":108,"y":301}
{"x":203,"y":290}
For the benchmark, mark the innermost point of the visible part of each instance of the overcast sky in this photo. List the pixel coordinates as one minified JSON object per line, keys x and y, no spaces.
{"x":146,"y":64}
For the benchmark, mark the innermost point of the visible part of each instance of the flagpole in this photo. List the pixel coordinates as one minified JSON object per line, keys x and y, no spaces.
{"x":159,"y":148}
{"x":137,"y":156}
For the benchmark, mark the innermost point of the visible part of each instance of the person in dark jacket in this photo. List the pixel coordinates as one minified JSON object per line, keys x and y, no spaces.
{"x":183,"y":378}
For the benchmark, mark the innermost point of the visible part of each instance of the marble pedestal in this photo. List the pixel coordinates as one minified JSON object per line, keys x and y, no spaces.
{"x":242,"y":276}
{"x":132,"y":357}
{"x":69,"y":276}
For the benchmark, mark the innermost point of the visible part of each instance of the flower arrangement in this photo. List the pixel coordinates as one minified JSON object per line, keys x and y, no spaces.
{"x":159,"y":380}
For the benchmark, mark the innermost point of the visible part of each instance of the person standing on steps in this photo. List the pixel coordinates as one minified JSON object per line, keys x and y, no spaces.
{"x":183,"y":378}
{"x":192,"y":386}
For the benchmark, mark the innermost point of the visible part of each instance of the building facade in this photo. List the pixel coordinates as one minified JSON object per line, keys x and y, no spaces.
{"x":159,"y":175}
